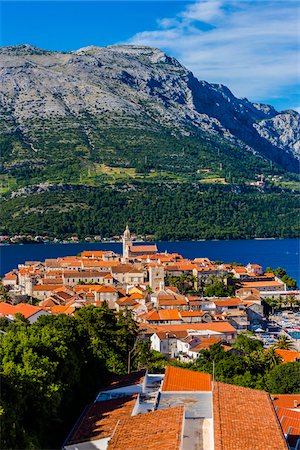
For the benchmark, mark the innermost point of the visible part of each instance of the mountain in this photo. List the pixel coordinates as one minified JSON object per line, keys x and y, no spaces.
{"x":93,"y":139}
{"x":129,"y":106}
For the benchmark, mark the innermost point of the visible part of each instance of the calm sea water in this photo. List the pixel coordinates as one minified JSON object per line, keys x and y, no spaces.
{"x":284,"y":253}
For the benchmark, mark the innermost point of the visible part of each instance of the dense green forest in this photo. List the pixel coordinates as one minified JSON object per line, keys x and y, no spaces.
{"x":166,"y":210}
{"x":51,"y":369}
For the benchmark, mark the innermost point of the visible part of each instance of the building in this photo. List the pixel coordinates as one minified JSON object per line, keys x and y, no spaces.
{"x":134,"y":251}
{"x":180,"y":410}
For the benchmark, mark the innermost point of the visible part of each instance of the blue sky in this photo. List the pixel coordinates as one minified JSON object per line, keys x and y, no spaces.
{"x":250,"y":46}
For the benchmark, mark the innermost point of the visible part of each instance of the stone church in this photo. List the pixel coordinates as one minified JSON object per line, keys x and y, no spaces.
{"x":131,"y":251}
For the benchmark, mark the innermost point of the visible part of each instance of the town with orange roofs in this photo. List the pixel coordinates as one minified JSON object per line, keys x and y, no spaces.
{"x":186,"y":311}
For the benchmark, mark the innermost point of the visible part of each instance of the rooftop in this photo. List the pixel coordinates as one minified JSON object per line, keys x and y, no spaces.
{"x":100,"y":419}
{"x":152,"y":431}
{"x":245,"y":419}
{"x":177,"y":379}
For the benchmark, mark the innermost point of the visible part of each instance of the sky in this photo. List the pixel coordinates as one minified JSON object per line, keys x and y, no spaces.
{"x":251,"y":46}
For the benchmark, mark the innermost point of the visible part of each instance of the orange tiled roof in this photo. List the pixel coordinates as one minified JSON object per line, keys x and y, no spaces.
{"x":152,"y":316}
{"x":205,"y":343}
{"x":10,"y":276}
{"x":171,"y":301}
{"x":137,"y":295}
{"x":143,"y":248}
{"x":177,"y":379}
{"x":126,"y":301}
{"x":288,"y":355}
{"x":245,"y":419}
{"x":151,"y":431}
{"x":220,"y":326}
{"x":261,"y":283}
{"x":192,"y":313}
{"x":169,"y":314}
{"x":47,"y":287}
{"x":290,"y":423}
{"x":22,"y":308}
{"x":101,"y":418}
{"x":228,"y":302}
{"x":286,"y":400}
{"x":93,"y":253}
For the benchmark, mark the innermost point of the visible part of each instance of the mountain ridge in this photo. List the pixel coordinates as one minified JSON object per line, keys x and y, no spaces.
{"x":138,"y":87}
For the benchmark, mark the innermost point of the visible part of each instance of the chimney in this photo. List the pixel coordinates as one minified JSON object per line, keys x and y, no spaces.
{"x":295,"y":403}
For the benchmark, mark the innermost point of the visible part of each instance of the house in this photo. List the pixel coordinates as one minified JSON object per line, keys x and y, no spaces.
{"x":189,"y":347}
{"x":195,"y":316}
{"x":30,"y":312}
{"x":238,"y":319}
{"x":264,"y":286}
{"x":166,"y":341}
{"x":288,"y":355}
{"x":10,"y":279}
{"x":228,"y":304}
{"x":180,"y":410}
{"x":43,"y":291}
{"x":254,"y":268}
{"x":73,"y":277}
{"x":129,"y":274}
{"x":227,"y":331}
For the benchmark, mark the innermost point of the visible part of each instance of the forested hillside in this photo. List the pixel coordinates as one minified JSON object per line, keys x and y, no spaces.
{"x":168,"y":211}
{"x":99,"y":137}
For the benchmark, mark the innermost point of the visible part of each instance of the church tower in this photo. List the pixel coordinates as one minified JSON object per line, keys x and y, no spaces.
{"x":126,"y":239}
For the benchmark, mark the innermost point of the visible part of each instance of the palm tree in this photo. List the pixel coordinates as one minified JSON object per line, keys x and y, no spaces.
{"x":284,"y":343}
{"x":271,"y":358}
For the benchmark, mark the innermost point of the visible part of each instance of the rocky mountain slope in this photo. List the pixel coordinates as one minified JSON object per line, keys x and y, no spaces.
{"x":127,"y":105}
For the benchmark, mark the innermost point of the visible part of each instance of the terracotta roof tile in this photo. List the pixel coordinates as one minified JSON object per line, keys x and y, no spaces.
{"x":286,"y":400}
{"x":143,"y":248}
{"x":22,"y":308}
{"x":169,"y":314}
{"x":290,"y":423}
{"x":288,"y":355}
{"x":152,"y":431}
{"x":177,"y":379}
{"x":228,"y":302}
{"x":220,"y":327}
{"x":101,"y":418}
{"x":244,"y":419}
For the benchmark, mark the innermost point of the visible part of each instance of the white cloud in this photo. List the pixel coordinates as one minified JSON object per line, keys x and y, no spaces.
{"x":251,"y":46}
{"x":203,"y":11}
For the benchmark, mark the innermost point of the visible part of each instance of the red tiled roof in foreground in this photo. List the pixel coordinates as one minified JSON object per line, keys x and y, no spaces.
{"x":245,"y":419}
{"x":290,"y":423}
{"x":125,"y":380}
{"x":152,"y":431}
{"x":177,"y":379}
{"x":101,"y":418}
{"x":286,"y":400}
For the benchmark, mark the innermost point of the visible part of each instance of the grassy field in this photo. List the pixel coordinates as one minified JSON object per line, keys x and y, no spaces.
{"x":101,"y":173}
{"x":7,"y":183}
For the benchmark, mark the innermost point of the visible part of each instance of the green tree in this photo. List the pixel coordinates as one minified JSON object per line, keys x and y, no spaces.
{"x":272,"y":359}
{"x":284,"y":379}
{"x":247,"y":344}
{"x":284,"y":343}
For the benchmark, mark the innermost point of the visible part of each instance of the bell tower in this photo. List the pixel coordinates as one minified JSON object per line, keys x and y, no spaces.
{"x":126,"y":240}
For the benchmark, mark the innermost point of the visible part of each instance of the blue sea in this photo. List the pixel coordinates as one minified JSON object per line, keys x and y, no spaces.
{"x":266,"y":252}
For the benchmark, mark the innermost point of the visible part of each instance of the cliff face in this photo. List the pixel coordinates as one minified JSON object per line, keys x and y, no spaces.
{"x":94,"y":89}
